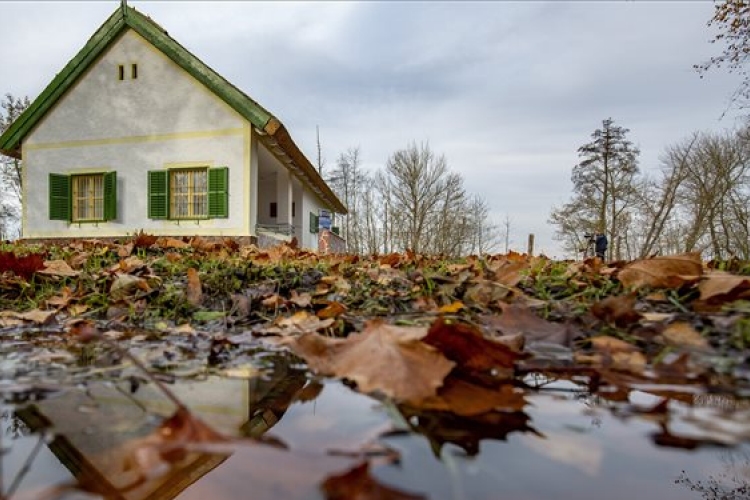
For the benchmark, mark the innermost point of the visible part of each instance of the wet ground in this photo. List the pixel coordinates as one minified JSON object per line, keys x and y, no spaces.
{"x":297,"y":436}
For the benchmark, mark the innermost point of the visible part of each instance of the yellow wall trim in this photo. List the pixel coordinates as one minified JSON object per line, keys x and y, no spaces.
{"x":181,"y":230}
{"x":198,"y":134}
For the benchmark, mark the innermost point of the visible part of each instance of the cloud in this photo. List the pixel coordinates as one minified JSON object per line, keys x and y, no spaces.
{"x":506,"y":90}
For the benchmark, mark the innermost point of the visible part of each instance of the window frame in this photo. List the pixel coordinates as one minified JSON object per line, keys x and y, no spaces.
{"x":190,"y":196}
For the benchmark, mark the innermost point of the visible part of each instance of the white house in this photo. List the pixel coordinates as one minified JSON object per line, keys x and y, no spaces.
{"x":136,"y":133}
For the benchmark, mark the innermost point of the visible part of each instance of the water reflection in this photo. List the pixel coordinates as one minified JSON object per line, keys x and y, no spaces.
{"x":557,"y":440}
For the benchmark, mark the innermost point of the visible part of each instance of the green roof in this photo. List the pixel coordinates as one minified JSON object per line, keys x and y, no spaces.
{"x":127,"y":17}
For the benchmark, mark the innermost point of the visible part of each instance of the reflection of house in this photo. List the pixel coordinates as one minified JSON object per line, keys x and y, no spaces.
{"x":137,"y":133}
{"x":96,"y":448}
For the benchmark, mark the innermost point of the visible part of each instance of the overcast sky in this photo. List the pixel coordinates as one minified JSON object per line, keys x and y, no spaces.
{"x":506,"y":90}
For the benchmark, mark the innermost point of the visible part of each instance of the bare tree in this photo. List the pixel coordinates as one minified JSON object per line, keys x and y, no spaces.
{"x":732,"y":18}
{"x":11,"y":168}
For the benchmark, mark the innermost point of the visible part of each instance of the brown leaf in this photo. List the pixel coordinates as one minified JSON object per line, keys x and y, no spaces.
{"x":173,"y":243}
{"x":84,"y":331}
{"x":143,"y":240}
{"x":58,"y":268}
{"x":683,"y":334}
{"x":300,"y":322}
{"x":273,"y":302}
{"x":618,"y":310}
{"x":485,"y":292}
{"x":662,"y":272}
{"x":303,"y":299}
{"x":378,"y":359}
{"x":517,"y":319}
{"x":611,"y":345}
{"x":466,"y":399}
{"x":720,"y":288}
{"x":475,"y":355}
{"x":194,"y":290}
{"x":332,"y":310}
{"x":357,"y":484}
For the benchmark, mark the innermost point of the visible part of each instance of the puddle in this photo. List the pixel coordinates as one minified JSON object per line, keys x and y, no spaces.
{"x":291,"y":432}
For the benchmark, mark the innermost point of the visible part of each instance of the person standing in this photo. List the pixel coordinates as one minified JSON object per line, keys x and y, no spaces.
{"x":600,"y":245}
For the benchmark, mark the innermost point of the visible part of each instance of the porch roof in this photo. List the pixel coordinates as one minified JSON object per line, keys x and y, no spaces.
{"x":270,"y":128}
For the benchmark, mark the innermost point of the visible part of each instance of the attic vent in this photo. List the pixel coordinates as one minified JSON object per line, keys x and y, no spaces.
{"x":121,"y":72}
{"x":134,"y":71}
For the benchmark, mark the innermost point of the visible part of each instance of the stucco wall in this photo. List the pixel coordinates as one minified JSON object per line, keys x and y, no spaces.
{"x":310,"y":203}
{"x":162,"y":119}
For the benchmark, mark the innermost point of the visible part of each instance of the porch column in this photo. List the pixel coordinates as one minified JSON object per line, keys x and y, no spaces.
{"x":284,"y":197}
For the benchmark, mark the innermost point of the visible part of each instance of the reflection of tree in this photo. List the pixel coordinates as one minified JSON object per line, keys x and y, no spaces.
{"x":730,"y":484}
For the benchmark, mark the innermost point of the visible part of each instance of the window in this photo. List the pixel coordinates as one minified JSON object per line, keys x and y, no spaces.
{"x":121,"y":72}
{"x":83,"y":198}
{"x":188,"y":193}
{"x":134,"y":71}
{"x":313,"y":223}
{"x":273,"y":209}
{"x":294,"y":210}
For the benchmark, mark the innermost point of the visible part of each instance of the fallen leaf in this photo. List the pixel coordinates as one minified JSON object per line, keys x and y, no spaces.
{"x":720,"y":288}
{"x":303,"y":299}
{"x":273,"y":302}
{"x":520,"y":320}
{"x":58,"y":268}
{"x":683,"y":334}
{"x":299,"y":322}
{"x":617,"y":309}
{"x":474,"y":355}
{"x":452,"y":308}
{"x":377,"y":360}
{"x":194,"y":290}
{"x":485,"y":292}
{"x":332,"y":310}
{"x":357,"y":483}
{"x":126,"y":285}
{"x":143,"y":240}
{"x":611,"y":345}
{"x":24,"y":266}
{"x":172,"y":243}
{"x":662,"y":272}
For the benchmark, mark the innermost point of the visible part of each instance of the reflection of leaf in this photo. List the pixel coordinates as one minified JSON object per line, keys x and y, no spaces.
{"x":662,"y":272}
{"x":357,"y":483}
{"x":378,"y":359}
{"x":467,"y":399}
{"x":465,"y":432}
{"x":475,"y":355}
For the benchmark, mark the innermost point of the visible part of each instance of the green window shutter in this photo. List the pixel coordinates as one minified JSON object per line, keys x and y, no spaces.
{"x":218,"y":192}
{"x":158,"y":194}
{"x":59,"y":197}
{"x":110,"y":196}
{"x":313,"y":223}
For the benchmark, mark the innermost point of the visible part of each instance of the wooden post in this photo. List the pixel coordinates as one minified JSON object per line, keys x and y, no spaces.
{"x":530,"y":250}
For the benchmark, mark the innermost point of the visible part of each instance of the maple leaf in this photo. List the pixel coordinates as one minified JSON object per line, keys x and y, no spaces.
{"x":357,"y":483}
{"x":475,"y":356}
{"x":671,"y":271}
{"x":382,"y":358}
